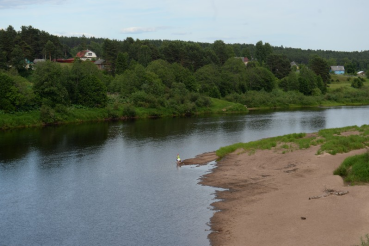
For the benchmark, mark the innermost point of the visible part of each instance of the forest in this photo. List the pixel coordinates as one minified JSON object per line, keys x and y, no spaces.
{"x":172,"y":76}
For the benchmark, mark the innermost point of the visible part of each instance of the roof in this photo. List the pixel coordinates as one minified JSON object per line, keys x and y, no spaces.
{"x":82,"y":53}
{"x":99,"y":62}
{"x":337,"y":68}
{"x":38,"y":60}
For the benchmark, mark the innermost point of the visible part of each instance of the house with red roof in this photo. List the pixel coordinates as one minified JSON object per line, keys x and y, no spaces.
{"x":87,"y":55}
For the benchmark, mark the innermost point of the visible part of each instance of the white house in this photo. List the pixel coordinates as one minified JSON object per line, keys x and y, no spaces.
{"x":86,"y":55}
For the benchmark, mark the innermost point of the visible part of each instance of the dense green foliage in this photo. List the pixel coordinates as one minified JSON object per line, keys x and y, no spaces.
{"x":162,"y":77}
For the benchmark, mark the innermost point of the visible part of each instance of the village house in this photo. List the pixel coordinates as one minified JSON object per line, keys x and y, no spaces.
{"x":337,"y":69}
{"x":86,"y":55}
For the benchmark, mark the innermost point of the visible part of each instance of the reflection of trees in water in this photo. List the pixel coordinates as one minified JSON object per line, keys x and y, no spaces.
{"x":49,"y":140}
{"x":157,"y":129}
{"x":15,"y":144}
{"x":160,"y":129}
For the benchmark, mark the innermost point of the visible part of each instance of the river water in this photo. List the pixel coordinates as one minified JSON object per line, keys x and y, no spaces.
{"x":117,"y":183}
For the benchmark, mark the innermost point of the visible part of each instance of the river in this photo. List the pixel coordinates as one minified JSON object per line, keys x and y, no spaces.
{"x":117,"y":183}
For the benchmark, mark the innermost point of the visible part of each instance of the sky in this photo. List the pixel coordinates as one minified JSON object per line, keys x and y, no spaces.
{"x":339,"y":25}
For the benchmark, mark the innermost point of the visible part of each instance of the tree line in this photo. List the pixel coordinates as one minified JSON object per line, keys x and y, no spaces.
{"x":33,"y":43}
{"x":176,"y":75}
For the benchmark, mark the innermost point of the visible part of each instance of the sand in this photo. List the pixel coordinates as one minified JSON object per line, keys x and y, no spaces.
{"x":267,"y":200}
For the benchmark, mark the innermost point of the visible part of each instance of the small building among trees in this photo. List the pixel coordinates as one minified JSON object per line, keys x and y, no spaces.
{"x":86,"y":55}
{"x":337,"y":69}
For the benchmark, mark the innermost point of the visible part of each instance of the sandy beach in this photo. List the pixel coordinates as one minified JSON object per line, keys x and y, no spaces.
{"x":286,"y":199}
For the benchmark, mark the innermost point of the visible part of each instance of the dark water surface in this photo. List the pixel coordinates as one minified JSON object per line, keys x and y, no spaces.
{"x":118,"y":184}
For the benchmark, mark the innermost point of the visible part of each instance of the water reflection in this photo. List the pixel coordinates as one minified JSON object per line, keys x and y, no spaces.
{"x":48,"y":141}
{"x":106,"y":183}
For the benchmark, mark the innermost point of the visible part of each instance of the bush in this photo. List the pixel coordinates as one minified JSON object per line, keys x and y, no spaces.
{"x":129,"y":111}
{"x":357,"y":83}
{"x":47,"y":114}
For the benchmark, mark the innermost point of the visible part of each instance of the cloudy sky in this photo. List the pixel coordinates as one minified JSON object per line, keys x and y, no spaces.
{"x":308,"y":24}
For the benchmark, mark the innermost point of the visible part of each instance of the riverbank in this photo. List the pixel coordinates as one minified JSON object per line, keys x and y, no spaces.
{"x":267,"y":199}
{"x":79,"y":114}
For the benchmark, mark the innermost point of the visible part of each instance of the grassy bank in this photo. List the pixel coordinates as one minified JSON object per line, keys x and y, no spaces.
{"x":114,"y":111}
{"x":331,"y":141}
{"x":354,"y":169}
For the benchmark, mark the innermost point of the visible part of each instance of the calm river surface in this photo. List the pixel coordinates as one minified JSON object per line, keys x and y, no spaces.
{"x":117,"y":183}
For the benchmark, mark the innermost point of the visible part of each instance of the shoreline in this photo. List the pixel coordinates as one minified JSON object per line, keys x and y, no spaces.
{"x":31,"y":119}
{"x":266,"y":201}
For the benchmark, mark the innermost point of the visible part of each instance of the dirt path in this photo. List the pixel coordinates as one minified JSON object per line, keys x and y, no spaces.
{"x":268,"y":200}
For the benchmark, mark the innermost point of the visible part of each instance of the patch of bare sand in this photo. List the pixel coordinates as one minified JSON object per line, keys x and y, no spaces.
{"x":268,"y":194}
{"x":200,"y":159}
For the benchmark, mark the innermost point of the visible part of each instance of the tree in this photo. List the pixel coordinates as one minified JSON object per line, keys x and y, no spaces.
{"x":163,"y":70}
{"x":357,"y":83}
{"x":144,"y":55}
{"x":83,"y":44}
{"x":48,"y":85}
{"x":246,"y":53}
{"x":121,"y":63}
{"x":233,"y":77}
{"x":290,"y":83}
{"x":307,"y":81}
{"x":262,"y":51}
{"x":173,"y":51}
{"x":221,"y":51}
{"x":17,"y":59}
{"x":350,"y":68}
{"x":209,"y":79}
{"x":184,"y":75}
{"x":279,"y":65}
{"x":3,"y":61}
{"x":6,"y":88}
{"x":259,"y":78}
{"x":50,"y":48}
{"x":7,"y":41}
{"x":79,"y":71}
{"x":92,"y":92}
{"x":320,"y":68}
{"x":110,"y":51}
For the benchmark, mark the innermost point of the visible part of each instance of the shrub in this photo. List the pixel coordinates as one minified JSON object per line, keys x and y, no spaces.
{"x":129,"y":111}
{"x":357,"y":83}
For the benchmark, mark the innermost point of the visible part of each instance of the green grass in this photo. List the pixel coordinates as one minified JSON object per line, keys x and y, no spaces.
{"x":365,"y":242}
{"x":330,"y":140}
{"x":222,"y":106}
{"x":267,"y":143}
{"x":20,"y":119}
{"x":354,"y":169}
{"x":115,"y":110}
{"x":334,"y":143}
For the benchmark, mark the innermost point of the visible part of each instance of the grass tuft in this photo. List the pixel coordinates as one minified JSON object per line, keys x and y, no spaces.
{"x":354,"y":169}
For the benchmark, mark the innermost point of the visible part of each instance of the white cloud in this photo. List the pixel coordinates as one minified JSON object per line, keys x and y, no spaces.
{"x":138,"y":30}
{"x":7,"y":4}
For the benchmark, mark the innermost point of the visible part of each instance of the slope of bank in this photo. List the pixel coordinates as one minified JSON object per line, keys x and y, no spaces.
{"x":289,"y":196}
{"x":77,"y":114}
